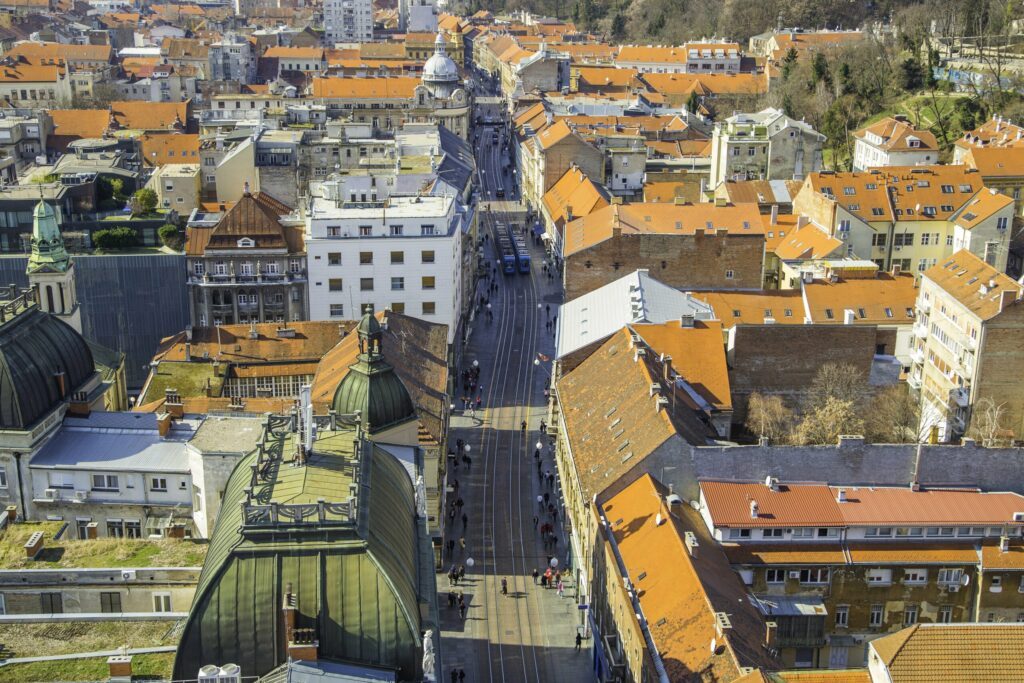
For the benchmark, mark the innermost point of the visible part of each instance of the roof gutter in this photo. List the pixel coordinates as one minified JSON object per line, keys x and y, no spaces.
{"x":638,"y":611}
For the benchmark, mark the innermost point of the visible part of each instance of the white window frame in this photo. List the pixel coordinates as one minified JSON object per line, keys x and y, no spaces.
{"x":162,"y":602}
{"x":110,"y":482}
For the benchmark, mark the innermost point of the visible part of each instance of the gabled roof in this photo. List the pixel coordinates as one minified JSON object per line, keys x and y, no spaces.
{"x":140,"y":115}
{"x":996,"y":162}
{"x":896,"y":136}
{"x":76,"y":124}
{"x":956,"y":653}
{"x":785,"y":306}
{"x":613,"y":420}
{"x":984,"y":205}
{"x":979,"y":287}
{"x":882,"y":300}
{"x":996,"y":132}
{"x":682,"y":593}
{"x":553,"y":134}
{"x":706,"y":84}
{"x":807,"y":243}
{"x":657,"y":218}
{"x":161,"y":149}
{"x":39,"y":53}
{"x":282,"y":52}
{"x":253,"y":216}
{"x":390,"y":88}
{"x":698,"y":356}
{"x":794,"y":505}
{"x":574,"y":192}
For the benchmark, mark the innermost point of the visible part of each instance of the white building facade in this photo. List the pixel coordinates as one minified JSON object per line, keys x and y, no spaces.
{"x":403,"y":253}
{"x":348,"y":21}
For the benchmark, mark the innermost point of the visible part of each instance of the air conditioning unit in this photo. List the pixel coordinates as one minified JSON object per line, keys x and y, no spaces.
{"x":81,"y":495}
{"x":954,"y":588}
{"x":127,"y":574}
{"x":51,"y":494}
{"x":794,"y":574}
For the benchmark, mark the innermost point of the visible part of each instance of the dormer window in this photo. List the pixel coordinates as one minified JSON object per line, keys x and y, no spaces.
{"x":246,"y":243}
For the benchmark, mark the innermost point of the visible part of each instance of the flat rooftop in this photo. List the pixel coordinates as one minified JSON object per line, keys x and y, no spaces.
{"x":68,"y":552}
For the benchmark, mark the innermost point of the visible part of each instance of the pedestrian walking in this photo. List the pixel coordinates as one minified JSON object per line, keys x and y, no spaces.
{"x":465,"y":520}
{"x":451,"y":547}
{"x":504,"y":586}
{"x":535,"y":520}
{"x":455,"y":674}
{"x":547,"y":496}
{"x":561,"y":588}
{"x":548,"y":306}
{"x":579,"y":642}
{"x":462,"y":571}
{"x":540,"y":475}
{"x":459,"y":503}
{"x":462,"y":675}
{"x":536,"y":454}
{"x":522,"y":427}
{"x":540,"y":503}
{"x":462,"y":543}
{"x":535,"y":575}
{"x":462,"y":611}
{"x":544,"y":581}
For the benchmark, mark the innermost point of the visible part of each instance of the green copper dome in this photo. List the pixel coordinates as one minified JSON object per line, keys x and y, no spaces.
{"x":371,"y":386}
{"x":48,"y":253}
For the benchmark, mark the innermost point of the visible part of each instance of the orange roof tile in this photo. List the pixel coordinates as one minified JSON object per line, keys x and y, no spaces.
{"x":651,"y":55}
{"x":996,"y":162}
{"x":954,"y":653}
{"x":28,"y":73}
{"x":177,"y":148}
{"x":784,"y":553}
{"x":698,"y":356}
{"x":139,"y":115}
{"x":392,"y":88}
{"x":282,"y":52}
{"x":41,"y":53}
{"x":785,"y":306}
{"x":795,"y":505}
{"x":807,"y":243}
{"x":920,"y":552}
{"x":672,"y":219}
{"x":984,"y":205}
{"x":574,"y":192}
{"x":76,"y":124}
{"x":994,"y":558}
{"x":825,"y":676}
{"x":681,"y":593}
{"x":234,"y":343}
{"x":979,"y":287}
{"x":553,"y":134}
{"x":706,"y":84}
{"x":881,"y":300}
{"x":914,"y":193}
{"x":993,"y":133}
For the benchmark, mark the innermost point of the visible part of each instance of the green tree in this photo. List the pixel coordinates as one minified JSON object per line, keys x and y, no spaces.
{"x":170,"y":236}
{"x":618,"y":26}
{"x":143,"y":202}
{"x":911,"y":75}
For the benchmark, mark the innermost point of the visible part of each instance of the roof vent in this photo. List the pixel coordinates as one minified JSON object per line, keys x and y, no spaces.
{"x":841,"y":496}
{"x":772,"y":483}
{"x":753,"y":509}
{"x":1004,"y":544}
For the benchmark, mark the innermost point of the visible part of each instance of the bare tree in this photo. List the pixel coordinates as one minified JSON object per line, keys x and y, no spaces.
{"x":826,"y":422}
{"x":894,"y":416}
{"x":988,"y":424}
{"x":840,"y":381}
{"x":768,"y":416}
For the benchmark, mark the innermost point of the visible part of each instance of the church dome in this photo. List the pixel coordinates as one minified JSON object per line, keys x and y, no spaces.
{"x":440,"y":68}
{"x":371,"y":387}
{"x":43,"y":361}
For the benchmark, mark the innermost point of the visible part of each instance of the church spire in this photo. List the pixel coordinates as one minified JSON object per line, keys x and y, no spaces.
{"x":48,"y":253}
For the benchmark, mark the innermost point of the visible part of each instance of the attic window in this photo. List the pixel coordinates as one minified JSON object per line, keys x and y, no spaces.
{"x":829,"y":314}
{"x":767,"y":312}
{"x":877,"y":211}
{"x":888,"y":312}
{"x":970,"y":216}
{"x":647,"y":219}
{"x":788,"y":312}
{"x":679,"y":225}
{"x":871,"y":186}
{"x":246,"y":242}
{"x":862,"y":313}
{"x":622,"y":446}
{"x":735,"y":313}
{"x":947,"y":207}
{"x":972,"y":280}
{"x":947,"y":189}
{"x":609,"y":413}
{"x":910,"y":312}
{"x":965,"y":188}
{"x":923,"y":183}
{"x":850,"y":191}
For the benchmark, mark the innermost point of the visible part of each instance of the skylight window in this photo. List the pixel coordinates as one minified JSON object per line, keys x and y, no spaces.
{"x":888,"y":312}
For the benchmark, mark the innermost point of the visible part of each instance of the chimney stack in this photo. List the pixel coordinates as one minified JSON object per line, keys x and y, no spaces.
{"x":775,"y":214}
{"x":173,"y":404}
{"x":1004,"y":544}
{"x":771,"y":630}
{"x":896,"y":270}
{"x":163,"y":424}
{"x":849,"y":316}
{"x":753,"y":509}
{"x":692,"y":544}
{"x":34,"y":545}
{"x":12,"y":514}
{"x":120,"y":668}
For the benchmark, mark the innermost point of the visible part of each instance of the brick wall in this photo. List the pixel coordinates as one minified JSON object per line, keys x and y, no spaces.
{"x":1001,"y":367}
{"x":783,"y":359}
{"x":683,"y":261}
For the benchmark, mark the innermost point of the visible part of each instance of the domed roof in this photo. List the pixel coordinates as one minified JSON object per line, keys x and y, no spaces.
{"x":440,"y":68}
{"x":371,"y":386}
{"x":43,"y":360}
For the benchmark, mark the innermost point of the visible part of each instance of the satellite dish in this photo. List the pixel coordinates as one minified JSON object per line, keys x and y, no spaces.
{"x":714,"y":645}
{"x":964,"y":580}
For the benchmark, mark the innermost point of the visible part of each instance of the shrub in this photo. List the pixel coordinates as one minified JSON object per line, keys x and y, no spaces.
{"x":113,"y":239}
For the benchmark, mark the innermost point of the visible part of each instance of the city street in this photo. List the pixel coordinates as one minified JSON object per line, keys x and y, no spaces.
{"x":528,"y":634}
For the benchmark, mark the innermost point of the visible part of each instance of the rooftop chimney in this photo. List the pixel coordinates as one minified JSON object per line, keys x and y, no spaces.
{"x":692,"y":544}
{"x":120,"y":668}
{"x":667,"y":367}
{"x":34,"y":545}
{"x":775,"y":214}
{"x":896,"y":270}
{"x":849,"y":316}
{"x":173,"y":404}
{"x":163,"y":424}
{"x":771,"y":630}
{"x":1004,"y":544}
{"x":801,"y":221}
{"x":841,"y":496}
{"x":753,"y":509}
